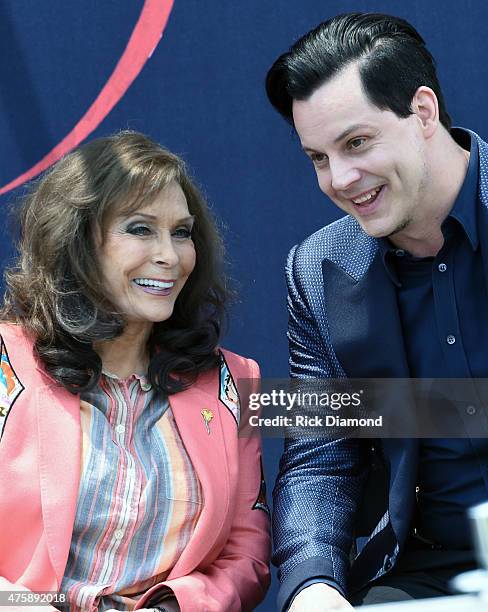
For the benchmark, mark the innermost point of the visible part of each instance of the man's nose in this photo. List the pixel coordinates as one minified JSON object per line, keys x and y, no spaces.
{"x":165,"y":252}
{"x":343,"y":173}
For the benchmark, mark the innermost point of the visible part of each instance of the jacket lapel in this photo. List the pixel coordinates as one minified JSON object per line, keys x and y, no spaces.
{"x":482,"y":210}
{"x":58,"y":414}
{"x":208,"y":456}
{"x":483,"y":230}
{"x":367,"y":337}
{"x":364,"y":324}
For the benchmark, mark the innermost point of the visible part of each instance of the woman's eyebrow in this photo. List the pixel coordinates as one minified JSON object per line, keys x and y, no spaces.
{"x":155,"y":217}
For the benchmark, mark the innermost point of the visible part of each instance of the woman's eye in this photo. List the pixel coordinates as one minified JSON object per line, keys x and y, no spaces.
{"x":138,"y":230}
{"x":182,"y":232}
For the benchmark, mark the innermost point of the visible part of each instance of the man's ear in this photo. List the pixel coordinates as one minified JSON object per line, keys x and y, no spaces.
{"x":426,"y":107}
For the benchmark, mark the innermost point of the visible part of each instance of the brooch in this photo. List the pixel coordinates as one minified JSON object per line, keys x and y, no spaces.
{"x":207,"y":417}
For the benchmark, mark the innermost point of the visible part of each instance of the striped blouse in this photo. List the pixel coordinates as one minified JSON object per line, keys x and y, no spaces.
{"x":139,"y":497}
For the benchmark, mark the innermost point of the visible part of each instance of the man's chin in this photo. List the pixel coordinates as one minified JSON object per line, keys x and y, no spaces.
{"x":401,"y":226}
{"x":381,"y":230}
{"x":374,"y":230}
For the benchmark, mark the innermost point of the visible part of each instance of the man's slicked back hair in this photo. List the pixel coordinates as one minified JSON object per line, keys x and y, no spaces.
{"x":391,"y":55}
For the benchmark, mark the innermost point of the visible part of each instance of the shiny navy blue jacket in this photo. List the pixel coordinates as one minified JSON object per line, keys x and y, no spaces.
{"x":344,"y":321}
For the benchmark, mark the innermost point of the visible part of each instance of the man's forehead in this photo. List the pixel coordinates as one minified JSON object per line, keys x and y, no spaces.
{"x":334,"y":110}
{"x":345,"y":85}
{"x":320,"y":126}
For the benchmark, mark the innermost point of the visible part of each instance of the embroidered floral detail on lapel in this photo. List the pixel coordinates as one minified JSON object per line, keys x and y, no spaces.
{"x":10,"y":386}
{"x":261,"y":503}
{"x":228,"y":393}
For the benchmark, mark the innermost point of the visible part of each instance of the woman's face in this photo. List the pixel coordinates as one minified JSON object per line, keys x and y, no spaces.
{"x":147,"y":257}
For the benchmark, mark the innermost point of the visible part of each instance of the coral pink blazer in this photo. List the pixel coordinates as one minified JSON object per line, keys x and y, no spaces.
{"x":225,"y":564}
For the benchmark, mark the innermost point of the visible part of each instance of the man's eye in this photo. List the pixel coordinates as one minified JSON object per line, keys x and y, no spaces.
{"x":319,"y":159}
{"x":182,"y":232}
{"x":138,"y":230}
{"x":356,"y":143}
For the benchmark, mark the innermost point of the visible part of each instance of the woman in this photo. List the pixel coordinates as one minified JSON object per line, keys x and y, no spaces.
{"x":124,"y":484}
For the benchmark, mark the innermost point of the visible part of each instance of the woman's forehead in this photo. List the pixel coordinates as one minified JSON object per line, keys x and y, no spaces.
{"x":170,"y":200}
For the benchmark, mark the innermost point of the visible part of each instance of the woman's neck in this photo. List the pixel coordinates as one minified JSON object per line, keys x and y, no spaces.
{"x":127,"y":354}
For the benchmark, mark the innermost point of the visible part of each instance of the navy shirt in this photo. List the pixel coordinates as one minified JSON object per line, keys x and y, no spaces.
{"x":443,"y":305}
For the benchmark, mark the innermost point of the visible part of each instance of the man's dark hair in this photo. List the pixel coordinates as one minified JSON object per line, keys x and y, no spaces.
{"x":392,"y":58}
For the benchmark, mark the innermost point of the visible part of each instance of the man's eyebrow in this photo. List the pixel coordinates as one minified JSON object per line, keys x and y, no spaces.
{"x":342,"y":135}
{"x":349,"y":130}
{"x":310,"y":150}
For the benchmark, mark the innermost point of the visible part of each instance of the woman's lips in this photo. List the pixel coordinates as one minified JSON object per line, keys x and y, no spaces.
{"x":154,"y":290}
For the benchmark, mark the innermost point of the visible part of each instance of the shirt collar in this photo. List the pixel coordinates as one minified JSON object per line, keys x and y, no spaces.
{"x":387,"y":250}
{"x":464,"y":210}
{"x":465,"y":207}
{"x":143,"y":380}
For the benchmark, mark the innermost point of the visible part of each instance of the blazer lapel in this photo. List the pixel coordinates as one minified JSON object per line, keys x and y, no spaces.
{"x":58,"y":414}
{"x":364,"y":323}
{"x":483,"y":231}
{"x":482,"y":209}
{"x":206,"y":448}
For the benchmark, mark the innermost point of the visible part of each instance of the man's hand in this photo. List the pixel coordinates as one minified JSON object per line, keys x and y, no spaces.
{"x":319,"y":597}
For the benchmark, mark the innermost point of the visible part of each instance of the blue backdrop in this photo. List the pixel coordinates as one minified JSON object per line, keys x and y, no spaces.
{"x":201,"y":94}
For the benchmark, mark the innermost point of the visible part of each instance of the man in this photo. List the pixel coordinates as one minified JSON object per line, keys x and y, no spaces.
{"x":397,"y":288}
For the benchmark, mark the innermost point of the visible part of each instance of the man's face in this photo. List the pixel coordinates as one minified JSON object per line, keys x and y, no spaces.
{"x":369,"y":162}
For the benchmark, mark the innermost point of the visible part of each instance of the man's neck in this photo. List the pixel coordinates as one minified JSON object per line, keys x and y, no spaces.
{"x":423,"y":237}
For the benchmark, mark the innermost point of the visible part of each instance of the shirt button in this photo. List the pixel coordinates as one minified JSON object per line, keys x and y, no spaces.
{"x":451,"y":339}
{"x":120,"y":429}
{"x":399,"y":252}
{"x":119,"y":534}
{"x":387,"y":564}
{"x":471,"y":410}
{"x":442,"y":267}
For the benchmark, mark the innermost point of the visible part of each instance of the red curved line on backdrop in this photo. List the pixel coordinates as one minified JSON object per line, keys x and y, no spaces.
{"x":143,"y":41}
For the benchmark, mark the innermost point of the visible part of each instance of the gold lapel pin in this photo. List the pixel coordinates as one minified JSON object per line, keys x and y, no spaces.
{"x":207,"y":417}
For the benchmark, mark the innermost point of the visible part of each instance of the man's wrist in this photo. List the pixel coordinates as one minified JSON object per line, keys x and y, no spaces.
{"x":309,"y":582}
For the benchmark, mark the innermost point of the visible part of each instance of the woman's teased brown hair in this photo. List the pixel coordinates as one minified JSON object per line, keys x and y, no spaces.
{"x":55,"y":290}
